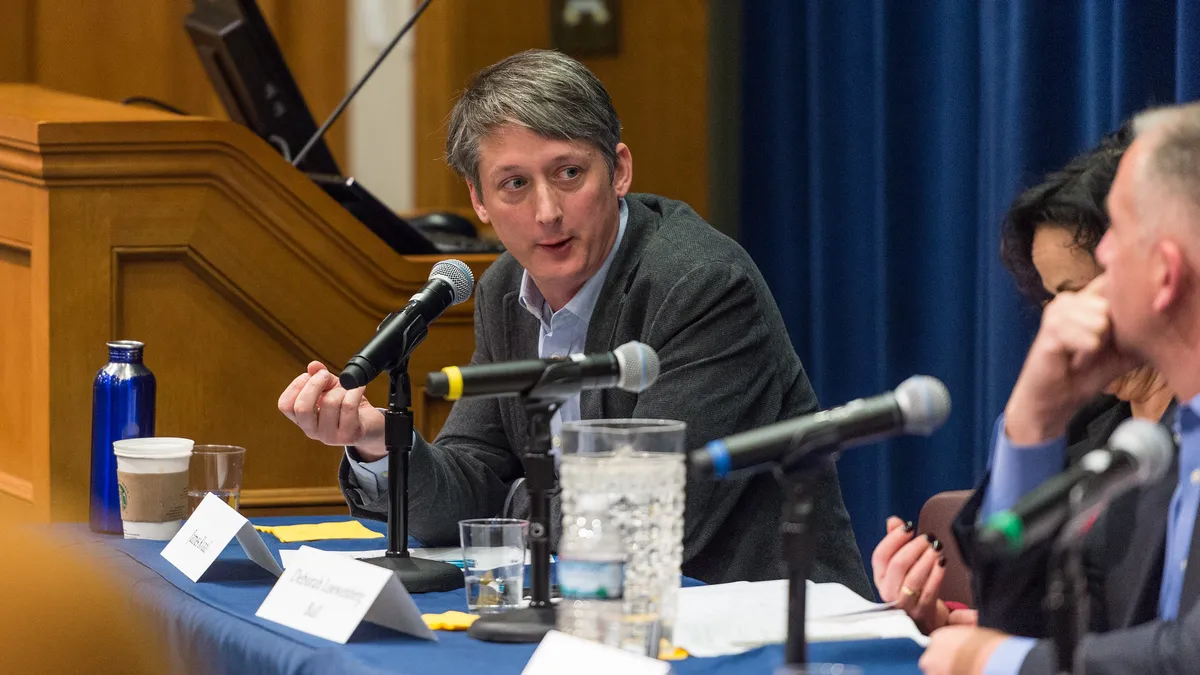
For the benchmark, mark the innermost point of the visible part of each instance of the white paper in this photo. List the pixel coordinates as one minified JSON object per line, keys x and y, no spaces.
{"x":561,"y":653}
{"x":395,"y":609}
{"x":893,"y":623}
{"x":288,"y":556}
{"x":329,"y":595}
{"x":732,"y":618}
{"x":830,"y":600}
{"x":207,"y":532}
{"x":255,"y":548}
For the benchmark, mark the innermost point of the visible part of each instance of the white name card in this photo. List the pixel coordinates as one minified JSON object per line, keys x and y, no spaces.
{"x":327,"y":595}
{"x":561,"y":653}
{"x":208,"y":532}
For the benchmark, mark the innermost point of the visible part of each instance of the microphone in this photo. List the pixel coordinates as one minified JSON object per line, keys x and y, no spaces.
{"x":337,"y":112}
{"x":450,"y":282}
{"x":1138,"y":452}
{"x":920,"y":405}
{"x":632,"y":367}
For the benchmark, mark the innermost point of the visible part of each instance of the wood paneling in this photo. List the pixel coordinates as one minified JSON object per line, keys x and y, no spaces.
{"x":258,"y":498}
{"x":658,"y":81}
{"x":16,"y":467}
{"x":658,"y":84}
{"x":193,"y":236}
{"x":16,"y":40}
{"x":23,"y":288}
{"x":190,"y":309}
{"x":114,"y":50}
{"x":20,"y":207}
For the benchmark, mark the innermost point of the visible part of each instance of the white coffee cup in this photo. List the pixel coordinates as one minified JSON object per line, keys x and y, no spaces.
{"x":152,"y":478}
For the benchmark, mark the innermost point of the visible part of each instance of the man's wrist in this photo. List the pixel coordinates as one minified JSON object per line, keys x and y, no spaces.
{"x":1033,"y":424}
{"x":976,"y":650}
{"x":371,"y":451}
{"x":371,"y":446}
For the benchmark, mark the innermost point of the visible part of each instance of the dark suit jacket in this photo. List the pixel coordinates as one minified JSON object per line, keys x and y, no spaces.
{"x":728,"y":365}
{"x":1123,"y":560}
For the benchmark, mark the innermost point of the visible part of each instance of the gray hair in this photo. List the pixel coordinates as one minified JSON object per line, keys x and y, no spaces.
{"x":1174,"y":160}
{"x":547,"y":92}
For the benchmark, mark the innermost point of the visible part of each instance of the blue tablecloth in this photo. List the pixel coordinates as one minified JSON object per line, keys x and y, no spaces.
{"x":211,"y":624}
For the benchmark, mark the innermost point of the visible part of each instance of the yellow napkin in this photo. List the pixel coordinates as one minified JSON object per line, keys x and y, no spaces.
{"x":449,"y":620}
{"x":668,"y":653}
{"x":349,"y":529}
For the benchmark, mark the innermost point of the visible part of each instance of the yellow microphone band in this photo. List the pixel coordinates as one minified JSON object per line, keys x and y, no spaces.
{"x":454,"y":382}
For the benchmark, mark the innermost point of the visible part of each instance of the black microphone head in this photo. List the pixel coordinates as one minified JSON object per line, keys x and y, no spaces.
{"x":639,"y":366}
{"x":458,"y":275}
{"x":357,"y":373}
{"x":925,"y":403}
{"x":1148,"y":444}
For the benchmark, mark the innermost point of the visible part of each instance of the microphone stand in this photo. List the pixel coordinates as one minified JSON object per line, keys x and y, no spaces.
{"x":417,"y":574}
{"x":798,"y":473}
{"x":1067,"y":593}
{"x":530,"y":624}
{"x":798,"y":554}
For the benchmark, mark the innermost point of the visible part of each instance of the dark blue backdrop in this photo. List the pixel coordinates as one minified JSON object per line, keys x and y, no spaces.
{"x":882,"y":142}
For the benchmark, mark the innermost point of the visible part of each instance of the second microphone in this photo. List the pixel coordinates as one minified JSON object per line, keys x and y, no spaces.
{"x":632,"y":367}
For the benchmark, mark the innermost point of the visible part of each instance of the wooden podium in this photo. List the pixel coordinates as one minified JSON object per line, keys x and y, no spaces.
{"x":193,"y":236}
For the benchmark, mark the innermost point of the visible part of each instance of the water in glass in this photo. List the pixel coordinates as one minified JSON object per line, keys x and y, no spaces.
{"x":646,"y":493}
{"x":493,"y":589}
{"x":230,"y":497}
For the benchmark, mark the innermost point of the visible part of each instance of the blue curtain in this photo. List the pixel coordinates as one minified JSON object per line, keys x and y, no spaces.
{"x":882,"y":143}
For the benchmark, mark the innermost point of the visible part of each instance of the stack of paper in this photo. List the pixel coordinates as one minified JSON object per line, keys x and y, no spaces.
{"x":733,"y":618}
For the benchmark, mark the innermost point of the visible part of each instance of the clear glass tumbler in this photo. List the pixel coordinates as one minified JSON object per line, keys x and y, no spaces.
{"x":493,"y":555}
{"x":216,"y":469}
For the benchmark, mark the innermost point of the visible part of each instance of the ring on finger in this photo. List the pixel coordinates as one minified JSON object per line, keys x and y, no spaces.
{"x":908,"y":592}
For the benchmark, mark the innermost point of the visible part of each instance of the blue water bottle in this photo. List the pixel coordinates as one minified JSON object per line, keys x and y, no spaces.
{"x":122,"y":407}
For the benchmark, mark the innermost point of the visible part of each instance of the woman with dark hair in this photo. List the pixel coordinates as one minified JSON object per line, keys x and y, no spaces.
{"x":1066,"y":208}
{"x":1048,"y":242}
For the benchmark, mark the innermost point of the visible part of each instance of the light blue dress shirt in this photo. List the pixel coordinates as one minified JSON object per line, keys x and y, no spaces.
{"x":1181,"y":519}
{"x":565,"y":331}
{"x":1037,"y":460}
{"x":561,"y":333}
{"x":1018,"y":469}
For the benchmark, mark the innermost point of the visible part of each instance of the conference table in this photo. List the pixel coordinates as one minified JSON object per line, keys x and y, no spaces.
{"x":210,"y":625}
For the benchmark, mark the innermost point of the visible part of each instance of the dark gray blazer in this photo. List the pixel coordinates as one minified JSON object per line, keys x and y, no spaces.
{"x":696,"y":298}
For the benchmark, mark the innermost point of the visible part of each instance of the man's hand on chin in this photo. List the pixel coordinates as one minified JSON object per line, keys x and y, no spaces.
{"x":1074,"y":357}
{"x":960,"y":650}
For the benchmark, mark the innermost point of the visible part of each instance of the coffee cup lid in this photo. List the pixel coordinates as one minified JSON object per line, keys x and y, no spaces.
{"x":158,"y":447}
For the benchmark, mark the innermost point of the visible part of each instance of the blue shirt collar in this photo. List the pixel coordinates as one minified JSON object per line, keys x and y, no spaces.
{"x":1187,"y":427}
{"x":584,"y":303}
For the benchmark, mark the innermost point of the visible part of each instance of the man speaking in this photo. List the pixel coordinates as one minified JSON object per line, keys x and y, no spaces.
{"x":591,"y":266}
